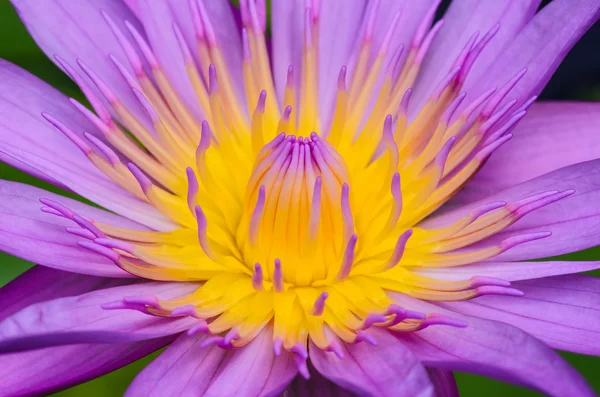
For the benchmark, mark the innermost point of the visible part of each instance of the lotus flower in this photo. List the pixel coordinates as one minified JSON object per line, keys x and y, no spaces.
{"x":350,"y":206}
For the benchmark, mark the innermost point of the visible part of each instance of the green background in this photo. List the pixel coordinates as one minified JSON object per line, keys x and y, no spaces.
{"x":17,"y":46}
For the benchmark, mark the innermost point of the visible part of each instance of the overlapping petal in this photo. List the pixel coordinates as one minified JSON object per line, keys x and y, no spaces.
{"x":388,"y":369}
{"x":494,"y":349}
{"x":540,"y":47}
{"x":561,"y":311}
{"x":40,"y":284}
{"x":552,"y":135}
{"x":573,"y":221}
{"x":82,"y":319}
{"x":443,"y":382}
{"x":31,"y":143}
{"x":189,"y":368}
{"x":42,"y":372}
{"x":77,"y":31}
{"x":463,"y":20}
{"x":510,"y":271}
{"x":36,"y":236}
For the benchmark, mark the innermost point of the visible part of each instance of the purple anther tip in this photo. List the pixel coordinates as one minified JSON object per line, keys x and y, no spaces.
{"x":362,"y":336}
{"x":148,"y":300}
{"x":277,"y":344}
{"x":302,"y":367}
{"x":107,"y":252}
{"x":143,"y":180}
{"x":186,"y":310}
{"x":480,"y":281}
{"x":278,"y":276}
{"x":300,"y":350}
{"x":211,"y":340}
{"x":498,"y":290}
{"x":319,"y":306}
{"x":373,"y":319}
{"x":200,"y":328}
{"x":336,"y":349}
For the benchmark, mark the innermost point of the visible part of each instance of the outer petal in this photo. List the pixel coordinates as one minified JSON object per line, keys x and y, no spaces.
{"x":41,"y":283}
{"x":77,"y":30}
{"x":443,"y":382}
{"x":462,"y":20}
{"x":493,"y":349}
{"x":388,"y":369}
{"x":561,"y":311}
{"x":81,"y":319}
{"x":29,"y":142}
{"x":552,"y":135}
{"x":509,"y":271}
{"x":540,"y":47}
{"x":29,"y":233}
{"x":42,"y":372}
{"x":573,"y":220}
{"x":188,"y":369}
{"x":316,"y":386}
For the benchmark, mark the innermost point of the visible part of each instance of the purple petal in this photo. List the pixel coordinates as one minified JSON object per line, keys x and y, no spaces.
{"x":443,"y":382}
{"x":50,"y":323}
{"x":561,"y":311}
{"x":339,"y":38}
{"x":78,"y":30}
{"x":552,"y":135}
{"x":462,"y":20}
{"x":492,"y":349}
{"x":572,"y":220}
{"x":41,"y":283}
{"x":509,"y":271}
{"x":540,"y":47}
{"x":29,"y":233}
{"x":339,"y":28}
{"x":316,"y":386}
{"x":43,"y":372}
{"x":388,"y":369}
{"x":187,"y":368}
{"x":31,"y":143}
{"x":158,"y":18}
{"x":287,"y":22}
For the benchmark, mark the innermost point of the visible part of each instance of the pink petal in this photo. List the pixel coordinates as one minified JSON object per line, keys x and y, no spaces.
{"x":443,"y":382}
{"x":40,"y":284}
{"x":77,"y":30}
{"x":462,"y":20}
{"x":81,"y":319}
{"x":573,"y":221}
{"x":158,"y":18}
{"x":316,"y":386}
{"x":29,"y":233}
{"x":552,"y":135}
{"x":187,"y":368}
{"x":31,"y":143}
{"x":388,"y":369}
{"x":509,"y":271}
{"x":561,"y":311}
{"x":540,"y":47}
{"x":492,"y":349}
{"x":42,"y":372}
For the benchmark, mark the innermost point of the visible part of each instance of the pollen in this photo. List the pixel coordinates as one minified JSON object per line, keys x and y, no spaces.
{"x":287,"y":215}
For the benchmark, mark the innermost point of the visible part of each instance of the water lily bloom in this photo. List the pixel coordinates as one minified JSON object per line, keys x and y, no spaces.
{"x":349,"y":204}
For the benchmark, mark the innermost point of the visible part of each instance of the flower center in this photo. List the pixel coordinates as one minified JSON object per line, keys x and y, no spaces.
{"x":297,"y":210}
{"x":316,"y":235}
